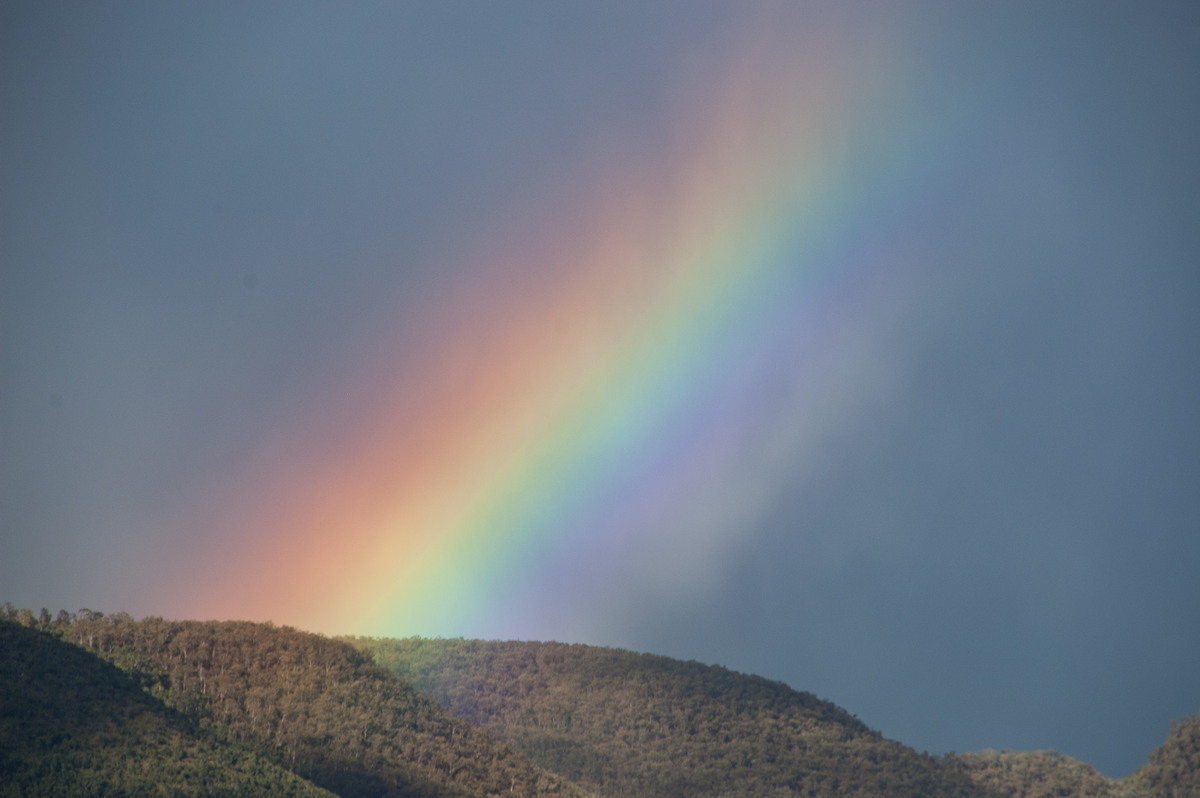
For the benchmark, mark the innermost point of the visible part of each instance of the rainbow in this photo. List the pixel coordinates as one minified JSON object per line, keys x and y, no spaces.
{"x":604,"y":405}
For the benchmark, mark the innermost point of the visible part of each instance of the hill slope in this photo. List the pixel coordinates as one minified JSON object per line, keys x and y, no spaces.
{"x":112,"y":706}
{"x":637,"y":725}
{"x":315,"y":705}
{"x":1044,"y":774}
{"x":73,"y":724}
{"x":1173,"y":769}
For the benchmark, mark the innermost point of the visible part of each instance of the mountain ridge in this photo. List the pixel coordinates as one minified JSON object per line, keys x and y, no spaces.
{"x":634,"y":724}
{"x":312,"y":705}
{"x":1172,"y":770}
{"x":437,"y":718}
{"x":74,"y":724}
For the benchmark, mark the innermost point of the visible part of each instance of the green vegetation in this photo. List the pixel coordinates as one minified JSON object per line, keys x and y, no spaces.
{"x":312,"y":705}
{"x":1173,"y":770}
{"x":639,"y":725}
{"x":1042,"y":774}
{"x":95,"y":705}
{"x":72,"y":724}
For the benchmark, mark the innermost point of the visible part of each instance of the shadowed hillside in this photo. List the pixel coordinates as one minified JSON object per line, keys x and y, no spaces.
{"x":636,"y":725}
{"x":73,"y":724}
{"x":313,"y":705}
{"x":105,"y":705}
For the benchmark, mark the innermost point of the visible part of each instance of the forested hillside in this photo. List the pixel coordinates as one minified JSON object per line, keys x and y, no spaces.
{"x":106,"y":705}
{"x":1173,"y":770}
{"x":314,"y":705}
{"x":1044,"y":774}
{"x":73,"y":724}
{"x":636,"y":725}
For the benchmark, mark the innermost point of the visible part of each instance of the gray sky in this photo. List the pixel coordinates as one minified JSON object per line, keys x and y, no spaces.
{"x":224,"y":225}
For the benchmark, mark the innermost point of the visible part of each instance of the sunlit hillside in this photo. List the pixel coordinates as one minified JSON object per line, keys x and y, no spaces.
{"x":94,"y":704}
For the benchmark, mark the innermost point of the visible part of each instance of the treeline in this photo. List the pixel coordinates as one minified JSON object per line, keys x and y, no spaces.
{"x":94,"y":704}
{"x":312,"y":705}
{"x":1173,"y":770}
{"x":73,"y":724}
{"x":1044,"y":774}
{"x":636,"y":725}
